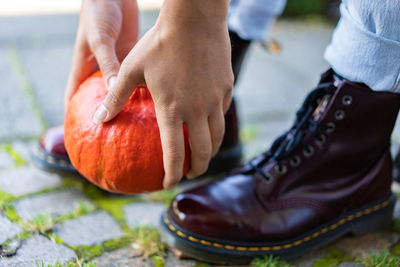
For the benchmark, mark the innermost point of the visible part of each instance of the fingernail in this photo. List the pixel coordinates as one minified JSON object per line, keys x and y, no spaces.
{"x":100,"y":115}
{"x":112,"y":81}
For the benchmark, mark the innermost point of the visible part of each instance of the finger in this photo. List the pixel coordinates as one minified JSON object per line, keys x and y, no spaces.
{"x":108,"y":62}
{"x":200,"y":145}
{"x":118,"y":94}
{"x":227,"y":101}
{"x":171,"y":133}
{"x":83,"y":64}
{"x":216,"y":122}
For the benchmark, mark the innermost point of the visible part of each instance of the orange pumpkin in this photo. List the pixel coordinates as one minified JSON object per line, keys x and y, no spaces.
{"x":123,"y":155}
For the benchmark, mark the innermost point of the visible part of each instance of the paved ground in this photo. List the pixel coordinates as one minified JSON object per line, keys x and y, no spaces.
{"x":47,"y":217}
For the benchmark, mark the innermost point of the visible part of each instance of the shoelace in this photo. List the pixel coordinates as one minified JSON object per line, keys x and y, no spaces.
{"x":285,"y":144}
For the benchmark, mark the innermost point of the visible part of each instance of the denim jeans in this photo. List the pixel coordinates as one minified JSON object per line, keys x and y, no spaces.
{"x":365,"y":45}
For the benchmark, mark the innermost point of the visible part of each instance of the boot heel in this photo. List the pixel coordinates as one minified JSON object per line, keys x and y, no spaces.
{"x":374,"y":222}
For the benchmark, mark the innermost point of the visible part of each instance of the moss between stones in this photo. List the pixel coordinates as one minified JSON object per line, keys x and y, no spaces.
{"x":19,"y":70}
{"x":163,"y":196}
{"x":89,"y":252}
{"x":110,"y":203}
{"x":333,"y":258}
{"x":75,"y":263}
{"x":18,"y":159}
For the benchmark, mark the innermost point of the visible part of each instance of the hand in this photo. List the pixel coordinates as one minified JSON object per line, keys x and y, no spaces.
{"x":185,"y":62}
{"x":100,"y":42}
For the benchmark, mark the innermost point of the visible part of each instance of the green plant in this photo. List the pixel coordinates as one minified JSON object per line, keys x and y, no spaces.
{"x":41,"y":223}
{"x":269,"y":261}
{"x":333,"y":258}
{"x":75,"y":263}
{"x":384,"y":259}
{"x":148,"y":240}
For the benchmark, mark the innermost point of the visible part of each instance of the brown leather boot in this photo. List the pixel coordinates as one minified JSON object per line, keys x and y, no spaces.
{"x":327,"y":176}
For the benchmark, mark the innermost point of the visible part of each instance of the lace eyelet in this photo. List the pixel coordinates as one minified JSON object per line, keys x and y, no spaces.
{"x":308,"y":151}
{"x":295,"y":161}
{"x":281,"y":169}
{"x":320,"y":140}
{"x":339,"y":115}
{"x":347,"y":100}
{"x":330,"y":127}
{"x":267,"y":180}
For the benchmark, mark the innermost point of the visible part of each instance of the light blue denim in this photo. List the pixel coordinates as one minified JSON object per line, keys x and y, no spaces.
{"x":365,"y":46}
{"x":251,"y":19}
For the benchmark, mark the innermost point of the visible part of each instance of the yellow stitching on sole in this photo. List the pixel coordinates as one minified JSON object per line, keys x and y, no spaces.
{"x":204,"y":242}
{"x":181,"y":234}
{"x":191,"y":238}
{"x":287,"y":246}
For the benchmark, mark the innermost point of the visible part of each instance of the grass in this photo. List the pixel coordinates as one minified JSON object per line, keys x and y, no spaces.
{"x":41,"y":223}
{"x":76,"y":263}
{"x":333,"y":258}
{"x":384,"y":259}
{"x":148,"y":240}
{"x":269,"y":261}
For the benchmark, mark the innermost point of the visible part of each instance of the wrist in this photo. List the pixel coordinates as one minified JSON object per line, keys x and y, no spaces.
{"x":200,"y":14}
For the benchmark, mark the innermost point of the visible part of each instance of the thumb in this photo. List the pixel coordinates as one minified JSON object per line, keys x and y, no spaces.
{"x":118,"y":95}
{"x":108,"y":62}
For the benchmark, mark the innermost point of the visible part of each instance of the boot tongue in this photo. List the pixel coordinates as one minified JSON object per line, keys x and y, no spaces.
{"x":324,"y":101}
{"x":320,"y":109}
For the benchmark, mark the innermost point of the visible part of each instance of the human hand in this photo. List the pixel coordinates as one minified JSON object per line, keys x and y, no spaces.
{"x":99,"y":42}
{"x":185,"y":62}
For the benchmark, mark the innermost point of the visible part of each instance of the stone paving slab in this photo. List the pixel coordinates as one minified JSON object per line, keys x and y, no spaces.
{"x":5,"y":160}
{"x":36,"y":250}
{"x":89,"y":229}
{"x":8,"y":229}
{"x":24,"y":149}
{"x":27,"y":180}
{"x":124,"y":257}
{"x":371,"y":243}
{"x":349,"y":264}
{"x":17,"y":118}
{"x":55,"y":203}
{"x":49,"y":78}
{"x":140,"y":214}
{"x":309,"y":259}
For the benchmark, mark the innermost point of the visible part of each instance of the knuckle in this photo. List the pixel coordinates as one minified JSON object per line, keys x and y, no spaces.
{"x":113,"y":98}
{"x":96,"y":41}
{"x":173,"y":155}
{"x":203,"y":155}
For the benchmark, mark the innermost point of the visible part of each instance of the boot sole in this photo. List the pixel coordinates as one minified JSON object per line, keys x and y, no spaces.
{"x":370,"y":218}
{"x":51,"y":162}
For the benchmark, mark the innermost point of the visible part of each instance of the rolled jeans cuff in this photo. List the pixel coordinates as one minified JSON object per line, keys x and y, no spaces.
{"x":363,"y":56}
